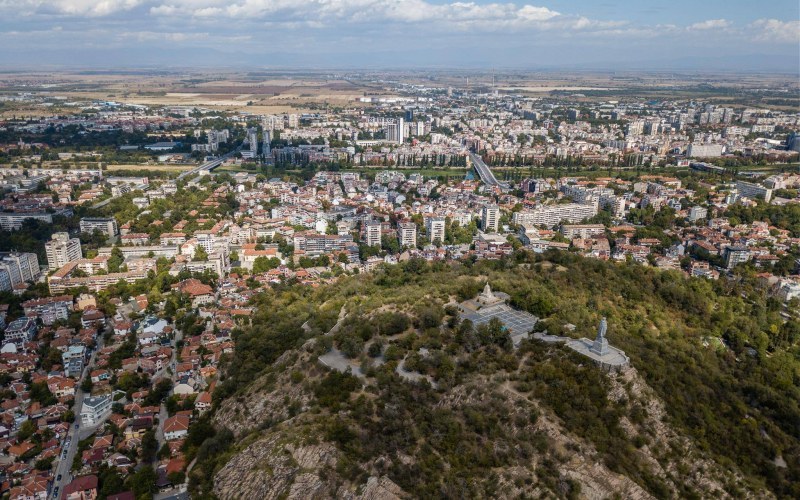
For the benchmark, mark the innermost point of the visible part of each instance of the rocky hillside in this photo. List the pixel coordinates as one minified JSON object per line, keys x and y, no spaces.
{"x":468,"y":415}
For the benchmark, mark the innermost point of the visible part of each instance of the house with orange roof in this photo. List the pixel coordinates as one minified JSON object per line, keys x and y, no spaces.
{"x":176,"y":427}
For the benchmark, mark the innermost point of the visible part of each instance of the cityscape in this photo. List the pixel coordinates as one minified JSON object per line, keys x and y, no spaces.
{"x":428,"y":281}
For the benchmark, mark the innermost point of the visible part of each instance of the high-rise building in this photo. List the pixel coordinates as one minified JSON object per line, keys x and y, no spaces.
{"x":435,"y":226}
{"x":251,"y":139}
{"x":407,"y":234}
{"x":752,"y":191}
{"x":396,"y":131}
{"x":553,"y":215}
{"x":267,"y":143}
{"x":372,"y":234}
{"x":697,"y":212}
{"x":62,"y":249}
{"x":793,"y":142}
{"x":19,"y":267}
{"x":736,"y":255}
{"x":106,"y":225}
{"x":704,"y":150}
{"x":490,"y":218}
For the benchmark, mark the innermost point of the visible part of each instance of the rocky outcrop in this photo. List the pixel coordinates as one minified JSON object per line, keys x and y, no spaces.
{"x":272,"y":468}
{"x":272,"y":398}
{"x":689,"y":466}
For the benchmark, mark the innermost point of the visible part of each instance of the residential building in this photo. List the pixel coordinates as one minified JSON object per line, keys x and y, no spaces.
{"x":736,"y":255}
{"x":95,"y":409}
{"x":20,"y":267}
{"x":435,"y":227}
{"x":553,"y":215}
{"x":176,"y":427}
{"x":19,"y":331}
{"x":752,"y":191}
{"x":11,"y":221}
{"x":81,"y":488}
{"x":62,"y":249}
{"x":490,"y":218}
{"x":49,"y":309}
{"x":407,"y":234}
{"x":697,"y":213}
{"x":583,"y":231}
{"x":317,"y":244}
{"x":106,"y":225}
{"x":704,"y":150}
{"x":396,"y":131}
{"x":372,"y":234}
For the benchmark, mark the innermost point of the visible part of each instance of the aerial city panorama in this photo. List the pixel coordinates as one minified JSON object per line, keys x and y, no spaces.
{"x":399,"y":249}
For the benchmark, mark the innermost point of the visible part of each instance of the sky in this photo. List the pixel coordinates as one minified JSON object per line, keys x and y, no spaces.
{"x":732,"y":35}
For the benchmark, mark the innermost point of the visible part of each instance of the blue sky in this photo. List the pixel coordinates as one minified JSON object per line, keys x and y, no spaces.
{"x":735,"y":35}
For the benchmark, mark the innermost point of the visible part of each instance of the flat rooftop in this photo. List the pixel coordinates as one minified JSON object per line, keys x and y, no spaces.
{"x":614,"y":358}
{"x":519,"y":323}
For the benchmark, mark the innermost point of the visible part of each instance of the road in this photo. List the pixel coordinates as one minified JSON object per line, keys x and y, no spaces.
{"x":209,"y":165}
{"x":483,"y":170}
{"x":74,"y":436}
{"x":163,"y":415}
{"x":103,"y":203}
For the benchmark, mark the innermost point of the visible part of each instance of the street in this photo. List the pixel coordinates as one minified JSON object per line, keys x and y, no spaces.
{"x":74,"y":436}
{"x":163,"y":415}
{"x":483,"y":170}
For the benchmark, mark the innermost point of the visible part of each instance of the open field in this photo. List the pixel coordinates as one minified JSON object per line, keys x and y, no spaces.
{"x":283,"y":91}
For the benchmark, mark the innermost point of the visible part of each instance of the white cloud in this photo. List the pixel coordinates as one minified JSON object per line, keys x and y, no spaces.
{"x":87,"y":8}
{"x":711,"y":24}
{"x":455,"y":15}
{"x":774,"y":30}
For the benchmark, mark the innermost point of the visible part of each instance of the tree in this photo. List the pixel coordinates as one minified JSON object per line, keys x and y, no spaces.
{"x":263,"y":264}
{"x":116,"y":260}
{"x":143,"y":482}
{"x":149,"y":446}
{"x":87,"y":385}
{"x":200,"y":254}
{"x":176,"y":477}
{"x":26,"y":430}
{"x":44,"y":464}
{"x":390,"y":244}
{"x":41,"y":393}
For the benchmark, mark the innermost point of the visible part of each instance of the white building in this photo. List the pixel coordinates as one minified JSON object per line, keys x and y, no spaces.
{"x":583,"y":231}
{"x":19,"y":268}
{"x":553,"y":215}
{"x":697,"y":213}
{"x":95,"y":410}
{"x":752,"y":191}
{"x":106,"y":225}
{"x":12,"y":221}
{"x":490,"y":218}
{"x":435,"y":226}
{"x":62,"y":249}
{"x":372,"y":234}
{"x":704,"y":150}
{"x":407,"y":234}
{"x":396,"y":131}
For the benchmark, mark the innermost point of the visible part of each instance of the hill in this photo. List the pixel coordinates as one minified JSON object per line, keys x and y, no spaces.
{"x":708,"y":409}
